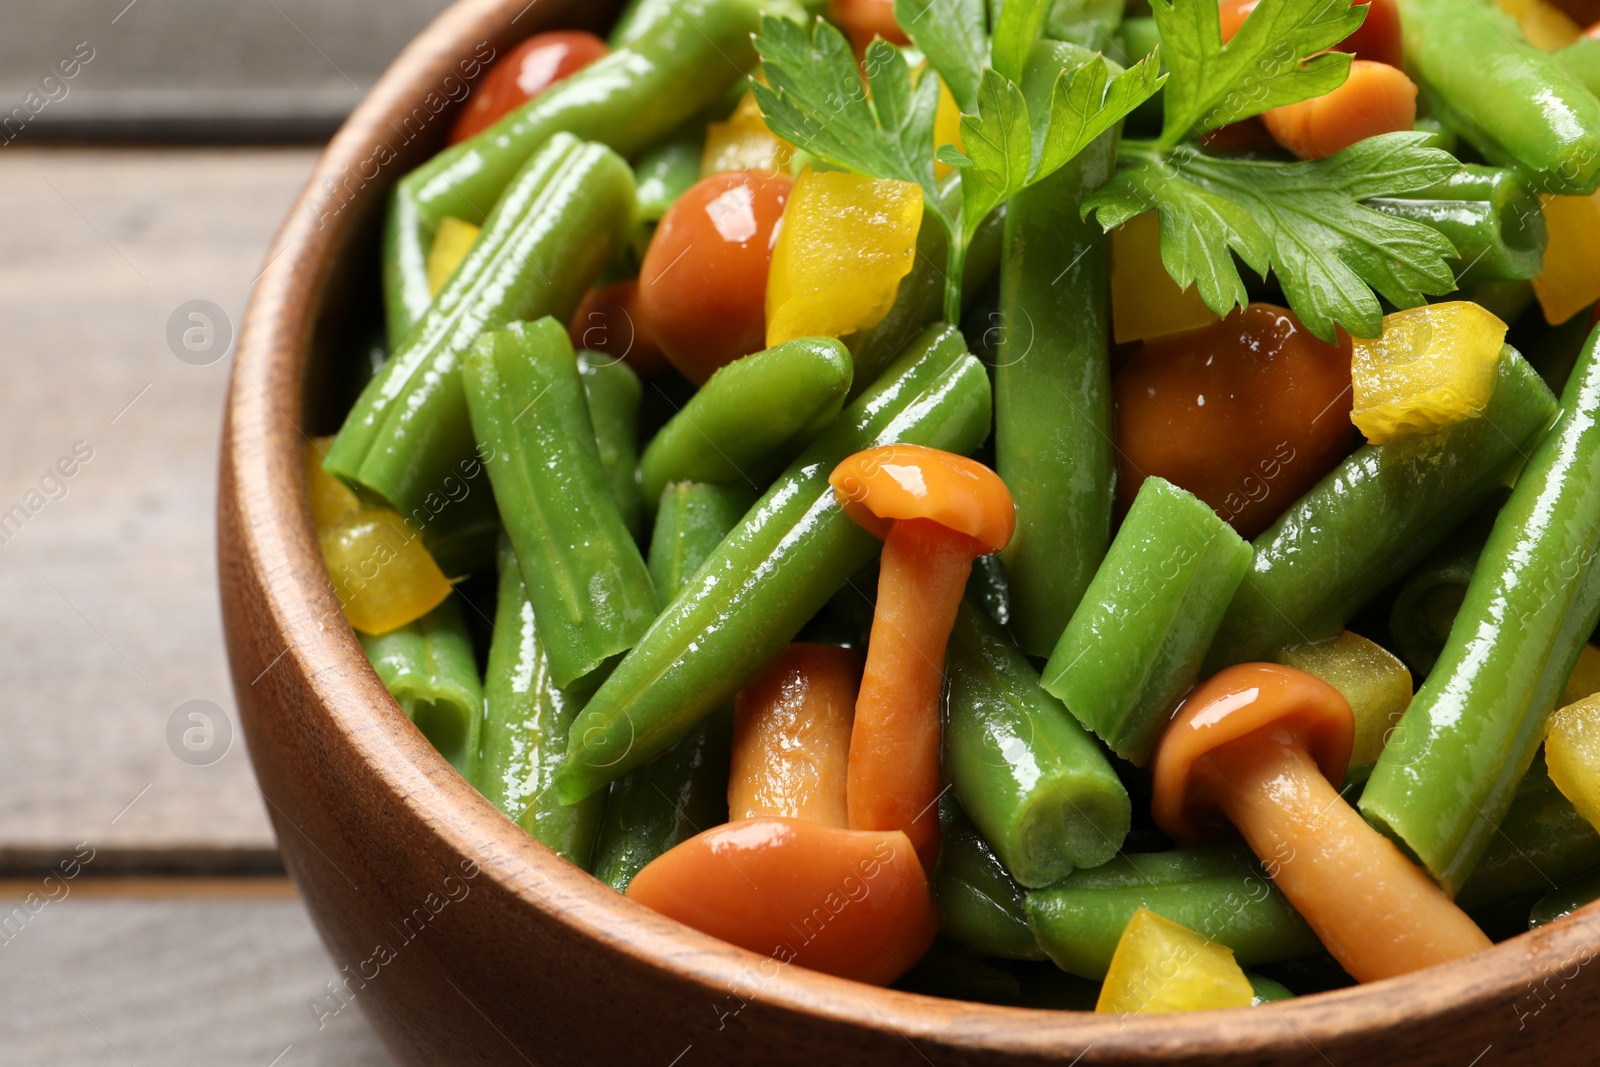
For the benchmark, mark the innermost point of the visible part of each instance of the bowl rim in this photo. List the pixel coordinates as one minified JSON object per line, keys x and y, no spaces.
{"x":263,"y":446}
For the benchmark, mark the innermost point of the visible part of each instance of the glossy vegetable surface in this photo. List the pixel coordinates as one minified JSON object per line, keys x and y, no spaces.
{"x":522,"y":74}
{"x":1448,"y":775}
{"x":429,"y":669}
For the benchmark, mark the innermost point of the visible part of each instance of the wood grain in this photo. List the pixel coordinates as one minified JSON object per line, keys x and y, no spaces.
{"x":531,"y":960}
{"x":108,"y":612}
{"x":171,"y":977}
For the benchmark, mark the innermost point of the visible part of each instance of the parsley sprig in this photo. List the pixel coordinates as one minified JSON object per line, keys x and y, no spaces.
{"x":815,"y":99}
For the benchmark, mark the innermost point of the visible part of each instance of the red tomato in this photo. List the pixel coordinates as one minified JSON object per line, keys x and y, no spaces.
{"x":608,"y":320}
{"x":703,"y":285}
{"x":1377,"y":39}
{"x":525,"y":72}
{"x":862,"y":20}
{"x":1247,"y":414}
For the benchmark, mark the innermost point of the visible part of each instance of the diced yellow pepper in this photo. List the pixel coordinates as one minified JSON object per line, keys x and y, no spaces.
{"x":330,"y":497}
{"x":946,"y":127}
{"x":1160,"y":965}
{"x":1544,"y":25}
{"x":845,"y":243}
{"x":744,"y":142}
{"x":450,"y":246}
{"x":1572,"y":752}
{"x":1433,"y":366}
{"x":1145,"y":301}
{"x":1570,"y":280}
{"x":382,"y":575}
{"x":1584,"y":681}
{"x":1369,"y":676}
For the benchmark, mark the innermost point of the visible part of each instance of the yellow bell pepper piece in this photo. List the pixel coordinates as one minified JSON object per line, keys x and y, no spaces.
{"x":1160,"y":965}
{"x":744,"y":142}
{"x":382,"y":575}
{"x":1433,"y":366}
{"x":1584,"y":681}
{"x":845,"y":243}
{"x":330,"y":497}
{"x":1572,"y":752}
{"x":1145,"y":301}
{"x":1544,"y":25}
{"x":450,"y":246}
{"x":946,"y":127}
{"x":1370,"y":677}
{"x":1570,"y":280}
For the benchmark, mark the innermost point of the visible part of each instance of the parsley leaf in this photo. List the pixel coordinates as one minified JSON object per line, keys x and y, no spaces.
{"x":814,"y":99}
{"x":953,"y":35}
{"x":1006,"y":151}
{"x":1305,"y":221}
{"x":1019,"y":25}
{"x":1270,"y":62}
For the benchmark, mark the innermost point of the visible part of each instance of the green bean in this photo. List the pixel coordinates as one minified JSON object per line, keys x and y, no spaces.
{"x":1543,"y":842}
{"x":1136,"y":642}
{"x":685,"y":789}
{"x":525,"y":727}
{"x":1516,"y":104}
{"x":1427,"y":603}
{"x":979,"y":905}
{"x":751,"y":417}
{"x":687,"y":52}
{"x":1374,"y":517}
{"x":1582,"y":60}
{"x":564,"y":217}
{"x":1267,"y":991}
{"x":1217,"y":890}
{"x":1448,"y":773}
{"x":590,"y":590}
{"x":665,"y":171}
{"x":1489,"y":214}
{"x":1565,"y":899}
{"x":1052,"y":380}
{"x":613,"y":391}
{"x":429,"y":669}
{"x":1032,"y":779}
{"x":791,"y":552}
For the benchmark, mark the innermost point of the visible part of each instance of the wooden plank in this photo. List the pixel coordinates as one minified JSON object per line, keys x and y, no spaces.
{"x":108,"y":606}
{"x":190,"y":975}
{"x":197,"y":68}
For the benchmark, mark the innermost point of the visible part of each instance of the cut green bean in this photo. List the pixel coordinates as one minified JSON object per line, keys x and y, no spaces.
{"x":1490,"y":215}
{"x":664,"y":172}
{"x":685,"y":56}
{"x":1028,"y":774}
{"x":1565,"y":899}
{"x":590,"y":590}
{"x":429,"y":669}
{"x":613,"y":391}
{"x":751,"y":417}
{"x":1267,"y":991}
{"x":790,"y":553}
{"x":685,"y":789}
{"x":979,"y":905}
{"x":1374,"y":517}
{"x":1219,"y":891}
{"x":1542,"y":842}
{"x":1449,"y":772}
{"x":1426,"y":605}
{"x":1582,"y":60}
{"x":1052,"y":380}
{"x":1135,"y":644}
{"x":525,"y":727}
{"x":564,"y":217}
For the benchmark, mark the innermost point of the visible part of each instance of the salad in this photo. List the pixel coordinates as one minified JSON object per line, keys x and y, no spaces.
{"x":1078,"y":504}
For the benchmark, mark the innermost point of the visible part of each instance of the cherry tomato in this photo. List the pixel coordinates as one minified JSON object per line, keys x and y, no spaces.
{"x":522,"y":74}
{"x":1247,"y":414}
{"x":608,"y":320}
{"x":862,"y":20}
{"x":1378,"y":38}
{"x":703,"y":285}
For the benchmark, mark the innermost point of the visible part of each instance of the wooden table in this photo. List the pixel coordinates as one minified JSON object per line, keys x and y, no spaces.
{"x":176,"y":940}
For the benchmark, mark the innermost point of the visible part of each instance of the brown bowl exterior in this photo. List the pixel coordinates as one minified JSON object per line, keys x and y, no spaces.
{"x":466,"y":941}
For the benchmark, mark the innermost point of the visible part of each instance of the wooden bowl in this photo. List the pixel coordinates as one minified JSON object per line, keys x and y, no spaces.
{"x":465,"y":940}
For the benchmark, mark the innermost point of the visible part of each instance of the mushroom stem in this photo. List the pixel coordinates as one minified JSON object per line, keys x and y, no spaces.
{"x":1374,"y":910}
{"x":894,"y":746}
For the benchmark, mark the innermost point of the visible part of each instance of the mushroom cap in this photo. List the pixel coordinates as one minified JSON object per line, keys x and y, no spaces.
{"x":882,"y":485}
{"x":1250,"y":700}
